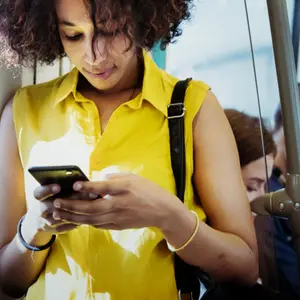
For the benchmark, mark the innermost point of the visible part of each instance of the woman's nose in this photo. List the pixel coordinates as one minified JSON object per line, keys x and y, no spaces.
{"x":95,"y":52}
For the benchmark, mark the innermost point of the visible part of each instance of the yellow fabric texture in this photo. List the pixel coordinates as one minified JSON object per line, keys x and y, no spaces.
{"x":56,"y":125}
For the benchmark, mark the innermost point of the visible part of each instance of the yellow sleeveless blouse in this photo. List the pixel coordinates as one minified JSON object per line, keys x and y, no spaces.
{"x":56,"y":125}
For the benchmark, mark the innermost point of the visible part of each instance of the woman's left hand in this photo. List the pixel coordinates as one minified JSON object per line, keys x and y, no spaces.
{"x":129,"y":201}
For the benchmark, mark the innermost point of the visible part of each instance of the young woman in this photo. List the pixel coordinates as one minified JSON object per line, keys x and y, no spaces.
{"x":247,"y":132}
{"x":109,"y":117}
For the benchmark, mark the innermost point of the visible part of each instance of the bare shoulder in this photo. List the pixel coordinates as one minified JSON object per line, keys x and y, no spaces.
{"x":210,"y":108}
{"x":12,"y":194}
{"x":217,"y":172}
{"x":6,"y":120}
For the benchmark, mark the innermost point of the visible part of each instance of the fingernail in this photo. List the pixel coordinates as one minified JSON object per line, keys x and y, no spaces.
{"x":78,"y":186}
{"x":57,"y":204}
{"x":55,"y":189}
{"x":56,"y":216}
{"x":93,"y":196}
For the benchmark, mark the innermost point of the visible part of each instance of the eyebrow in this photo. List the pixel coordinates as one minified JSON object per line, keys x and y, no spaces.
{"x":66,"y":23}
{"x":258,"y":179}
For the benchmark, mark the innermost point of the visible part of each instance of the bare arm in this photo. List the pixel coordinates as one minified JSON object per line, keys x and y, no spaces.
{"x":18,"y":271}
{"x":227,"y":250}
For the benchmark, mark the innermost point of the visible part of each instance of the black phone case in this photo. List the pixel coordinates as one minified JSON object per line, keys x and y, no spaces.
{"x":65,"y":176}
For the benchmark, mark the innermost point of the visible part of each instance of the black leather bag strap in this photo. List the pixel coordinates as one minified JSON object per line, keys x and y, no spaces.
{"x":186,"y":279}
{"x":176,"y":112}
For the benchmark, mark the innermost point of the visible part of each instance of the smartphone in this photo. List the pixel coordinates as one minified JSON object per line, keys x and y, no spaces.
{"x":65,"y":176}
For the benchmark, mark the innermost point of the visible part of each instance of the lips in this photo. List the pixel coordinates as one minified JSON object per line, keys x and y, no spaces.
{"x":98,"y":72}
{"x":103,"y":74}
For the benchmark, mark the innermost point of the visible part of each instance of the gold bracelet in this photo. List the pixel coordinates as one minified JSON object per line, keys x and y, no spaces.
{"x":172,"y":249}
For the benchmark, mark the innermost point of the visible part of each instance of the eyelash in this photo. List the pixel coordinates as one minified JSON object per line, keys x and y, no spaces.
{"x":76,"y":37}
{"x":250,"y":189}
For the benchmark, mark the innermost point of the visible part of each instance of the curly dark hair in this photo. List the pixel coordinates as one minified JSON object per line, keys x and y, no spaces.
{"x":247,"y":133}
{"x":29,"y":29}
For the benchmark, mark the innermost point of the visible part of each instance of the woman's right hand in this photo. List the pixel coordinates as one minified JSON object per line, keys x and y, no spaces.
{"x":39,"y":225}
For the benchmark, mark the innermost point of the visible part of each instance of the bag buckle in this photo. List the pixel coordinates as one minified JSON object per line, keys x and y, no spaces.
{"x":184,"y":296}
{"x":176,"y":110}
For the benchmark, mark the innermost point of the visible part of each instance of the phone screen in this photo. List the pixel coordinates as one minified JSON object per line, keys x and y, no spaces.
{"x":65,"y":176}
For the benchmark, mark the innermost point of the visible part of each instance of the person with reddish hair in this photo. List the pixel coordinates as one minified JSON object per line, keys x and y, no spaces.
{"x":250,"y":137}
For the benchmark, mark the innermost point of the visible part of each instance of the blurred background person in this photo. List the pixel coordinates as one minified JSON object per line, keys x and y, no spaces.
{"x":277,"y":257}
{"x":247,"y":133}
{"x":248,"y":136}
{"x":285,"y":255}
